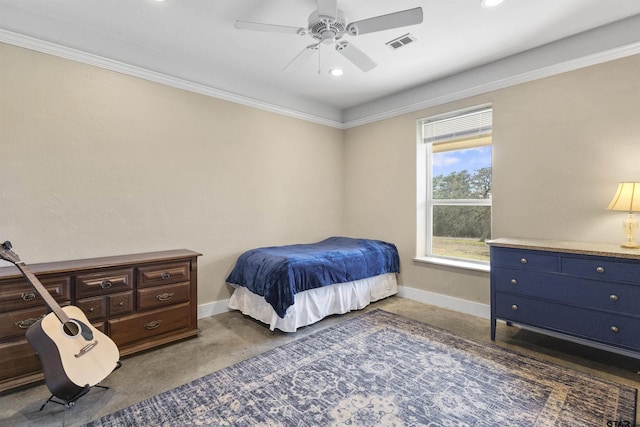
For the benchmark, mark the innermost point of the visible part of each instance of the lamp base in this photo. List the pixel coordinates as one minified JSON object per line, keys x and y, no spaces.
{"x":631,"y":245}
{"x":630,"y":226}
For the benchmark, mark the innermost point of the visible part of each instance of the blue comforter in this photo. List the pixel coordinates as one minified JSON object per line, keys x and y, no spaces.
{"x":279,"y":272}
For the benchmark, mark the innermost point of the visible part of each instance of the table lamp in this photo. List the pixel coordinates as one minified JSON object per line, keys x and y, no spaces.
{"x":627,"y":198}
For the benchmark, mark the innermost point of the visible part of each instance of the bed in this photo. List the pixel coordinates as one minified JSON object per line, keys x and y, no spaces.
{"x":291,"y":286}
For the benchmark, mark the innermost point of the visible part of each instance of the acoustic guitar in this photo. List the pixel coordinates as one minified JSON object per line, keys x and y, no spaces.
{"x":75,"y":356}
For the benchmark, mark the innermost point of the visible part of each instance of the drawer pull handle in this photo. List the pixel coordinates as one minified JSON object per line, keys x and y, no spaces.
{"x":152,"y":325}
{"x":91,"y":309}
{"x":165,"y":276}
{"x":514,"y":282}
{"x":514,"y":307}
{"x":106,"y":284}
{"x":523,"y":260}
{"x":26,"y":323}
{"x":615,"y":329}
{"x":121,"y":304}
{"x":165,"y":296}
{"x":613,"y":297}
{"x":600,"y":269}
{"x":28,"y":296}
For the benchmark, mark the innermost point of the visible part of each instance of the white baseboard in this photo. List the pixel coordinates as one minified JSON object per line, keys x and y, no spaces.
{"x":445,"y":301}
{"x":213,"y":308}
{"x":439,"y":300}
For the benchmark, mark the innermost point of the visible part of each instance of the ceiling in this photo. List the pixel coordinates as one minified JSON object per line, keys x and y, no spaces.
{"x":195,"y":42}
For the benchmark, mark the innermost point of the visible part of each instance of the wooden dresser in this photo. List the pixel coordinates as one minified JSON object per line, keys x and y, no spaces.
{"x":584,"y":292}
{"x":141,"y":301}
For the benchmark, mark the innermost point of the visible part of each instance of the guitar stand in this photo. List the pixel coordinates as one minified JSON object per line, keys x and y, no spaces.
{"x":68,"y":404}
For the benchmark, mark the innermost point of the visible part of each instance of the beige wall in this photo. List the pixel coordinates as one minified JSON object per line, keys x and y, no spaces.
{"x":561,"y":145}
{"x":96,"y":163}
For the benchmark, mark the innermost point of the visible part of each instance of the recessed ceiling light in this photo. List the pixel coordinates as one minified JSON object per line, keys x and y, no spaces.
{"x":336,"y":72}
{"x":490,"y":3}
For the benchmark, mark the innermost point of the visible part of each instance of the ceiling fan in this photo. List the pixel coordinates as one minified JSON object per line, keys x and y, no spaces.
{"x":328,"y":25}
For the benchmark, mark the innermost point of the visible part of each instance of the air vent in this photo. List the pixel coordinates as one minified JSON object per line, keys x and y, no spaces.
{"x":401,"y":41}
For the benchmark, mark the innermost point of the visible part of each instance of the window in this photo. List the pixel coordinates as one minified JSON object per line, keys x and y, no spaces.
{"x":454,"y":199}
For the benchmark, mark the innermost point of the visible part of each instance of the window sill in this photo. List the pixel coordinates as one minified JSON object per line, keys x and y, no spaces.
{"x":467,"y":265}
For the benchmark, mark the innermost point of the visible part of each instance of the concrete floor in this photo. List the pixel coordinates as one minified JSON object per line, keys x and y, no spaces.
{"x":231,"y":337}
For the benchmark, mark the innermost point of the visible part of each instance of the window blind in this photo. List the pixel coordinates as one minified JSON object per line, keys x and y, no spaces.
{"x":474,"y":124}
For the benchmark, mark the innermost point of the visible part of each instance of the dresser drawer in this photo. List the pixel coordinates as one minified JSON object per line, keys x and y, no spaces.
{"x":19,"y":293}
{"x":615,"y":297}
{"x":15,"y":323}
{"x":163,"y":274}
{"x":519,"y":258}
{"x":601,"y":326}
{"x":120,"y":303}
{"x":107,"y":305}
{"x":159,"y":296}
{"x":17,"y":358}
{"x":137,"y":327}
{"x":94,"y":307}
{"x":602,"y":269}
{"x":103,"y":282}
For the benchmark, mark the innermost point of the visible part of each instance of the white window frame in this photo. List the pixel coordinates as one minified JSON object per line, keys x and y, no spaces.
{"x":425,"y":201}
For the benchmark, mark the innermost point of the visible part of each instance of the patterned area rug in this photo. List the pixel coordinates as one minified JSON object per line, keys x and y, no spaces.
{"x":380,"y":369}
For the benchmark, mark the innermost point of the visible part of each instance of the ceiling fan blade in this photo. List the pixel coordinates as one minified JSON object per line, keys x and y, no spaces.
{"x":271,"y":28}
{"x":328,"y":8}
{"x":302,"y":57}
{"x":356,"y":56}
{"x":386,"y":22}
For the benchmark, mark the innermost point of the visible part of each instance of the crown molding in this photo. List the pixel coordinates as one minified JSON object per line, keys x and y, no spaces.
{"x":479,"y":89}
{"x":454,"y":88}
{"x":131,"y":70}
{"x":602,"y":44}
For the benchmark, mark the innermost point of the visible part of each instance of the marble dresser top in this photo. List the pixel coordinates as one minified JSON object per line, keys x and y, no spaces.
{"x":585,"y":248}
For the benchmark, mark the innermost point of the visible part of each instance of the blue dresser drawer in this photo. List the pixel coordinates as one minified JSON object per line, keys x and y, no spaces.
{"x":614,"y":297}
{"x":607,"y":328}
{"x":520,"y":258}
{"x":602,"y":269}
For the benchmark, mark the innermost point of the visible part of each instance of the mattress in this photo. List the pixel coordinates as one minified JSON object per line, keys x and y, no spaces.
{"x":280,"y":273}
{"x":315,"y":304}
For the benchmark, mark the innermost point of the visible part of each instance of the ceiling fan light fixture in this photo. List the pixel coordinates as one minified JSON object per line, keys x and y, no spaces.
{"x":327,"y":25}
{"x":336,"y":72}
{"x":490,"y":3}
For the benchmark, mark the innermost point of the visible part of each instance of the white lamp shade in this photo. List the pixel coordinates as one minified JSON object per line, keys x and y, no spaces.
{"x":627,"y":197}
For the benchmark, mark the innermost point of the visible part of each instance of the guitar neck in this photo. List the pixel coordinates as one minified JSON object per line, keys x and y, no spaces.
{"x":48,"y":299}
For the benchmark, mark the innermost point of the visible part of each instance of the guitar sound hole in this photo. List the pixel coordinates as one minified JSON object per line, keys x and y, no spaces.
{"x":71,"y":328}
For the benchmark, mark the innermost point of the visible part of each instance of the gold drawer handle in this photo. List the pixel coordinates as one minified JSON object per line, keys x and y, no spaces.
{"x":615,"y":329}
{"x":165,"y":275}
{"x":514,"y":307}
{"x":152,"y":325}
{"x":165,"y":296}
{"x":28,"y":296}
{"x":523,"y":260}
{"x":514,"y":282}
{"x":613,"y":297}
{"x":600,"y":269}
{"x":106,"y":284}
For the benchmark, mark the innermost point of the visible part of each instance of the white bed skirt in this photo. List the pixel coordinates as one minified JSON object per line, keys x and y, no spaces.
{"x":315,"y":304}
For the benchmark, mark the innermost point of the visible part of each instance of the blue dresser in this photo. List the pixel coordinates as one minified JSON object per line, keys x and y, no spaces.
{"x":588,"y":293}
